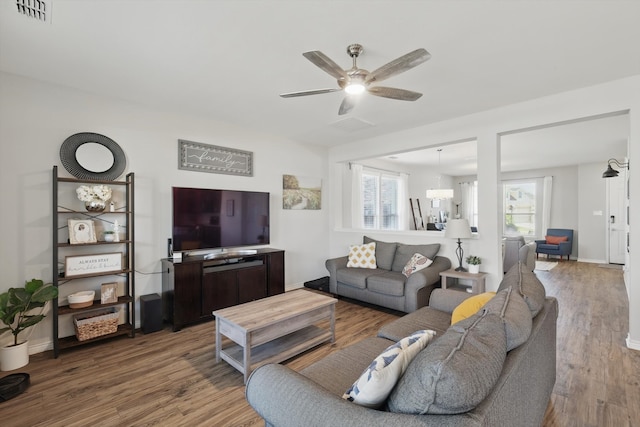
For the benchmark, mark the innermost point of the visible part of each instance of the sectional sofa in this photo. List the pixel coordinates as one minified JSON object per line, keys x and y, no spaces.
{"x":497,"y":367}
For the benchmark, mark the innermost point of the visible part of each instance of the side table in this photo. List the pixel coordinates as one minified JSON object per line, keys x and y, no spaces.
{"x":477,"y":280}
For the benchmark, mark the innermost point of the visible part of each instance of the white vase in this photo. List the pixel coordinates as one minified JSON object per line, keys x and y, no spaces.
{"x":474,"y":268}
{"x":14,"y":356}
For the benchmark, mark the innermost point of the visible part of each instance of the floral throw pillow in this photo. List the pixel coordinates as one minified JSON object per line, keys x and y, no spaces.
{"x":376,"y":382}
{"x":416,"y":263}
{"x":362,"y":256}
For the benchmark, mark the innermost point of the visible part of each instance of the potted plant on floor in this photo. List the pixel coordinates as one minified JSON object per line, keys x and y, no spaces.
{"x":474,"y":264}
{"x":16,"y":305}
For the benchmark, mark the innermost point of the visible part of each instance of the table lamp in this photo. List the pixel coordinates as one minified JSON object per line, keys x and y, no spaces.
{"x":458,"y":229}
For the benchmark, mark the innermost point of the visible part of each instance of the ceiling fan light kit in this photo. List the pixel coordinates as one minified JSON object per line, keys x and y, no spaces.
{"x":354,"y":88}
{"x":355,"y":81}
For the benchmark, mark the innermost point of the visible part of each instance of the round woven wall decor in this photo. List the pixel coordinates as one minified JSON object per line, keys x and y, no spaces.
{"x":70,"y":160}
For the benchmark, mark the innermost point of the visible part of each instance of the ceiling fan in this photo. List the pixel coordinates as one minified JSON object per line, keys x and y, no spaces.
{"x":355,"y":81}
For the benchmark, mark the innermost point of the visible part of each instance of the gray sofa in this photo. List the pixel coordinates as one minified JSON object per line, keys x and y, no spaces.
{"x":515,"y":249}
{"x":518,"y":396}
{"x":386,"y":286}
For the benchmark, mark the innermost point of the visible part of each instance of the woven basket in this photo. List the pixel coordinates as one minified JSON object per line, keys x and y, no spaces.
{"x":96,"y":323}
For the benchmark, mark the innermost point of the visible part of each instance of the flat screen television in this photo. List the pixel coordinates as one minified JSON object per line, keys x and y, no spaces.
{"x":212,"y":219}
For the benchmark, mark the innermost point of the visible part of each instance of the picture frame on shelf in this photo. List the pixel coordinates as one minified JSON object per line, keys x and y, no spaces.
{"x":82,"y":265}
{"x":81,"y":231}
{"x":109,"y":293}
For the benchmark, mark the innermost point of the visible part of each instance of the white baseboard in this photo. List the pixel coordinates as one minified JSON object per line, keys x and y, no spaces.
{"x":633,"y":344}
{"x":293,"y":286}
{"x":41,"y":347}
{"x":592,"y":261}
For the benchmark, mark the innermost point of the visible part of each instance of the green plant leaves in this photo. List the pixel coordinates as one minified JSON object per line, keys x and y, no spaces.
{"x":17,"y":302}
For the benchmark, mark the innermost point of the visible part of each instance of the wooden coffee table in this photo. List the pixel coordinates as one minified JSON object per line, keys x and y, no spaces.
{"x":273,"y":329}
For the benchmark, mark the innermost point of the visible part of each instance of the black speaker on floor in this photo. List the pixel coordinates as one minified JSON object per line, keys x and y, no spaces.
{"x":151,"y":313}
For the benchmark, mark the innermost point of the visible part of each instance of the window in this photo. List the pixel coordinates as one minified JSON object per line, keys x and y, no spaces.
{"x":381,"y":202}
{"x":467,"y":205}
{"x":521,"y":202}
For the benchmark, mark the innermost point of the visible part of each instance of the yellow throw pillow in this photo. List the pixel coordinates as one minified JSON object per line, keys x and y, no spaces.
{"x":470,"y":306}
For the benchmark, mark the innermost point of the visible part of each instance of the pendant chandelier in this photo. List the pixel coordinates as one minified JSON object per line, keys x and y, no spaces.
{"x":440,"y":193}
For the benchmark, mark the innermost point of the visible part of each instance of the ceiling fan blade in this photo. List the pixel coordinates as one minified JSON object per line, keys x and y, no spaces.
{"x":399,"y":65}
{"x":326,"y":64}
{"x":308,"y":92}
{"x":394,"y":93}
{"x":347,"y":105}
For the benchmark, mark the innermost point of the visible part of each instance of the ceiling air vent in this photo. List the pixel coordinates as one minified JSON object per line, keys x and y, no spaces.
{"x":36,"y":9}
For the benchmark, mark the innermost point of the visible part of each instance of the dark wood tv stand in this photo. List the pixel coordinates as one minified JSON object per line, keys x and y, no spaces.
{"x":194,"y":287}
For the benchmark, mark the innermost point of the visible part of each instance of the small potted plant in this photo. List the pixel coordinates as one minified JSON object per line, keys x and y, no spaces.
{"x":16,"y":305}
{"x":474,"y":264}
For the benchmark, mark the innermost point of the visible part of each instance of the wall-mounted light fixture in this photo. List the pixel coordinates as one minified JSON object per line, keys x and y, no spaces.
{"x":611,"y":172}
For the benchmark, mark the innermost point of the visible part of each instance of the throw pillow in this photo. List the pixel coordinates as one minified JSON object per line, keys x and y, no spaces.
{"x":416,"y":263}
{"x":456,"y":372}
{"x":377,"y":381}
{"x":556,"y":240}
{"x":528,"y":286}
{"x":509,"y":305}
{"x":405,"y":252}
{"x":362,"y":256}
{"x":470,"y":306}
{"x":385,"y":252}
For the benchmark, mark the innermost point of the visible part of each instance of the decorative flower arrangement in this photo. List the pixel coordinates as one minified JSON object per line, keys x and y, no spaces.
{"x":88,"y":193}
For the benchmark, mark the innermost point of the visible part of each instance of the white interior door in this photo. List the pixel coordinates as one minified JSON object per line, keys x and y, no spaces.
{"x":616,"y":220}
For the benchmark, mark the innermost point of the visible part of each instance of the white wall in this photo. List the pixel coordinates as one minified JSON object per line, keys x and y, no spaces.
{"x":35,"y":119}
{"x":486,"y":127}
{"x":593,"y":227}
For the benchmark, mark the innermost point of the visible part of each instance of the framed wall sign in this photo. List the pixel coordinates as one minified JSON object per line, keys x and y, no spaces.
{"x":195,"y":156}
{"x":81,"y":265}
{"x":81,"y":231}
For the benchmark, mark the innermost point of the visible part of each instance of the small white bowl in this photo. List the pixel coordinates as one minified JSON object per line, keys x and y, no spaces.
{"x":81,"y":299}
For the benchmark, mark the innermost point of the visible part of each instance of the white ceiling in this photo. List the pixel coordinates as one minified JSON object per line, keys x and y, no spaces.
{"x":229,"y":60}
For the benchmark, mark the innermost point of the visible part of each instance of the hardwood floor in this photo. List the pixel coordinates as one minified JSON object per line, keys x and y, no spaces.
{"x":598,"y":377}
{"x":172,"y":379}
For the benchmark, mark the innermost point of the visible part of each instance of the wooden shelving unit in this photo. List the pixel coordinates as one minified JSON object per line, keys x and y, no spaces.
{"x":62,"y":248}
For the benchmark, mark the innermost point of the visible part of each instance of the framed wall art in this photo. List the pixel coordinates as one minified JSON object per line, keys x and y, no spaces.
{"x":81,"y":265}
{"x":198,"y":157}
{"x":301,"y":193}
{"x":81,"y":231}
{"x":109,"y":293}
